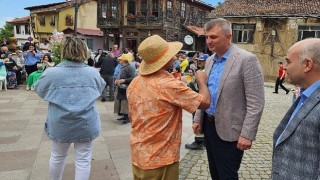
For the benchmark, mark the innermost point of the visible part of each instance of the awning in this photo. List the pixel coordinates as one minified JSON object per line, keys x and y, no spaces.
{"x":198,"y":31}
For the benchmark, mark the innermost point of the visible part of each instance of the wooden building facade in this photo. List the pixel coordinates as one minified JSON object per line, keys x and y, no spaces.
{"x":128,"y":22}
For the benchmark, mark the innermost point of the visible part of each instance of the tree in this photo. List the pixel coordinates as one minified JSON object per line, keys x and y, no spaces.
{"x":6,"y":31}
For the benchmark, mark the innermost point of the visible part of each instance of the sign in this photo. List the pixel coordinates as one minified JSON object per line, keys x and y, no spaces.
{"x":30,"y":39}
{"x":188,"y":39}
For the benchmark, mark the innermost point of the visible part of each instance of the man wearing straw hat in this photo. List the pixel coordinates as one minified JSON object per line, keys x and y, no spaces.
{"x":156,"y":100}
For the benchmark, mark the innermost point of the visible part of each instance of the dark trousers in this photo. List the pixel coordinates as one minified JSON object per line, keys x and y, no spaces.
{"x":109,"y":82}
{"x":18,"y":75}
{"x":223,"y":156}
{"x":30,"y":69}
{"x":279,"y":83}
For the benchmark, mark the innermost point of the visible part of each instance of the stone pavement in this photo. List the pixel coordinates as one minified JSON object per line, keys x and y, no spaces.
{"x":25,"y":149}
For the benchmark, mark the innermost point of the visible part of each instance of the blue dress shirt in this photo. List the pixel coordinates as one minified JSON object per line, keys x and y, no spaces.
{"x":214,"y":79}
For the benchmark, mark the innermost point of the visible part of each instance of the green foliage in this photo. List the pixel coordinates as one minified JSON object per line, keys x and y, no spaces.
{"x":6,"y":31}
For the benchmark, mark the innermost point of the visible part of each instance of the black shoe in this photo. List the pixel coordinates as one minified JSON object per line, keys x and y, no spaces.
{"x":122,"y":118}
{"x":103,"y":100}
{"x":287,"y":92}
{"x":275,"y":92}
{"x":193,"y":146}
{"x":111,"y":99}
{"x":125,"y":122}
{"x":120,"y":114}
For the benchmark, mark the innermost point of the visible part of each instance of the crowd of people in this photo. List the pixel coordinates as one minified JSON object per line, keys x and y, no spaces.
{"x":150,"y":90}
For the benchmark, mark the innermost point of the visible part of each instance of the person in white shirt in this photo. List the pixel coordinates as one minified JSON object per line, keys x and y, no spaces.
{"x":45,"y":46}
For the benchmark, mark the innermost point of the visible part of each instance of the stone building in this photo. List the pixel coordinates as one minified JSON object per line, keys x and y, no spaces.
{"x":128,"y":22}
{"x":268,"y":28}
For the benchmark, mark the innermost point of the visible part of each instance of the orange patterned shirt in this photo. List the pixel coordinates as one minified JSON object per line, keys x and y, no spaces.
{"x":155,"y":107}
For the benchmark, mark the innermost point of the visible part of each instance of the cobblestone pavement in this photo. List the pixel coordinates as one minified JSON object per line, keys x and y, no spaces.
{"x":256,"y":162}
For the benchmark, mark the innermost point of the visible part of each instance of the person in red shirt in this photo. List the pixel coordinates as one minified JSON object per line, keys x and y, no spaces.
{"x":280,"y":79}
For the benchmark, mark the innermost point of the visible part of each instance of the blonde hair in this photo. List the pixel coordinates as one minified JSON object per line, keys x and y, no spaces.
{"x":75,"y":49}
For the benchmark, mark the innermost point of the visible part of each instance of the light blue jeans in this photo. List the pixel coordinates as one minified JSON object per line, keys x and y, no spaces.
{"x":82,"y":158}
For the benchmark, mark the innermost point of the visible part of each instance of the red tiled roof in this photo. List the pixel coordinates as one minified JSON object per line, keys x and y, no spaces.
{"x":20,"y":20}
{"x":247,"y":8}
{"x":51,"y":7}
{"x":44,"y":6}
{"x":195,"y":30}
{"x":88,"y":32}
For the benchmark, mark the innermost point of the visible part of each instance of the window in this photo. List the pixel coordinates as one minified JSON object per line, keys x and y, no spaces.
{"x":42,"y":20}
{"x":114,"y":9}
{"x":69,"y":20}
{"x":132,"y":8}
{"x":27,"y":29}
{"x":155,"y":8}
{"x":243,"y":33}
{"x":103,"y":10}
{"x":308,"y":32}
{"x":90,"y":43}
{"x":169,"y":8}
{"x":144,"y":7}
{"x":183,"y":10}
{"x":18,"y":29}
{"x":53,"y":21}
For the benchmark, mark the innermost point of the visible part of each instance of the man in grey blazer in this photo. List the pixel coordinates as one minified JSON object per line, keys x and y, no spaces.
{"x":296,"y":151}
{"x":236,"y":86}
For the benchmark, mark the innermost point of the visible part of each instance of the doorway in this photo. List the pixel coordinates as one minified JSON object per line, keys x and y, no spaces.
{"x":132,"y":44}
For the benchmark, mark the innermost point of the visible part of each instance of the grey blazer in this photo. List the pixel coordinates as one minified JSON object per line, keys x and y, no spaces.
{"x":297,"y":156}
{"x":240,"y":98}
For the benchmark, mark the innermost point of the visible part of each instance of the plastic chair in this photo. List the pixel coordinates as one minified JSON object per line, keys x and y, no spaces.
{"x":3,"y":82}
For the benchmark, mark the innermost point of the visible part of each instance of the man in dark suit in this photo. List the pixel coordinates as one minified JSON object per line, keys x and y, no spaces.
{"x":236,"y":86}
{"x":296,"y":151}
{"x":107,"y":65}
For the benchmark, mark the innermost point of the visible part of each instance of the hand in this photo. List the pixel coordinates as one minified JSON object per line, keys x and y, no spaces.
{"x":15,"y":68}
{"x":120,"y":81}
{"x":201,"y":77}
{"x":244,"y":144}
{"x":196,"y":127}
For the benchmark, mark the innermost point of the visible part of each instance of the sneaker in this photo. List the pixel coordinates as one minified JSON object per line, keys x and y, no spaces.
{"x":103,"y":100}
{"x":32,"y":88}
{"x":194,"y":146}
{"x":122,"y":118}
{"x":27,"y":88}
{"x":275,"y":92}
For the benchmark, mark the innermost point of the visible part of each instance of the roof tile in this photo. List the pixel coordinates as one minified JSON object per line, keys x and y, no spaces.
{"x":267,"y":8}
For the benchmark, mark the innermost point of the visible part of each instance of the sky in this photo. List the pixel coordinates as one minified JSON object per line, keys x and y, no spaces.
{"x":10,"y":9}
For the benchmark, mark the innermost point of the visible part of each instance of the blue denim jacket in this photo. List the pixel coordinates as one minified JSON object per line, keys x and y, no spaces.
{"x":71,"y":89}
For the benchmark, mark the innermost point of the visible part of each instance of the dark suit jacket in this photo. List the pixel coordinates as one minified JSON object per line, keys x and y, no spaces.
{"x":240,"y":98}
{"x":297,"y":156}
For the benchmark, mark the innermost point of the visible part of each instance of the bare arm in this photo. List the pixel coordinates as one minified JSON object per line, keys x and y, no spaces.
{"x":203,"y":90}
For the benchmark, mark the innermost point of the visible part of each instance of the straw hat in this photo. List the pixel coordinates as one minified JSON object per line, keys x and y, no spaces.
{"x":156,"y":52}
{"x":125,"y":57}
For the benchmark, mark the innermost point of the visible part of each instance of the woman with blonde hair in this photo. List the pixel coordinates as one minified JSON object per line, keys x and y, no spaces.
{"x":71,"y":118}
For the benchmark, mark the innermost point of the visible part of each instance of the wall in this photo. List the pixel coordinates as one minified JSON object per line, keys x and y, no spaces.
{"x":22,"y":37}
{"x":262,"y":46}
{"x":62,"y":18}
{"x":87,"y":16}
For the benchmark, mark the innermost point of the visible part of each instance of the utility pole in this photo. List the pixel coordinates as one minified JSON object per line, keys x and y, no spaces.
{"x":77,"y":4}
